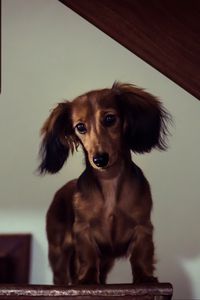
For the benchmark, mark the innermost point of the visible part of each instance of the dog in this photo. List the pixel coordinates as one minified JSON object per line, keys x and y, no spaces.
{"x":105,"y":213}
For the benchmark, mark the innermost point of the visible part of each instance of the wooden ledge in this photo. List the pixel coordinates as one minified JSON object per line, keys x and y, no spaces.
{"x":110,"y":291}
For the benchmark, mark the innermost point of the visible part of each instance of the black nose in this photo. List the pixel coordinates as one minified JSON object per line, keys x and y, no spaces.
{"x":101,"y":159}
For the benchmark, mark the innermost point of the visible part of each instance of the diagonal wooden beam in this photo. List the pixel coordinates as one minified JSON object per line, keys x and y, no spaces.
{"x":165,"y":34}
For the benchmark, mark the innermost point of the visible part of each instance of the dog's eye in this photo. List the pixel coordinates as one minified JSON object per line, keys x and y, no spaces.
{"x":109,"y":120}
{"x":81,"y":128}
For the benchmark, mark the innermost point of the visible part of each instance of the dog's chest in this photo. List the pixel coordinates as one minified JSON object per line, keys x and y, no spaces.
{"x":114,"y":219}
{"x":110,"y":193}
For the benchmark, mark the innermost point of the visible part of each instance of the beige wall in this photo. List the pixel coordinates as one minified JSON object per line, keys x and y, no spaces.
{"x":49,"y":53}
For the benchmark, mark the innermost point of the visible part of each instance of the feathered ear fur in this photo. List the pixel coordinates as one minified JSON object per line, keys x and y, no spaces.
{"x":58,"y":139}
{"x":145,"y":119}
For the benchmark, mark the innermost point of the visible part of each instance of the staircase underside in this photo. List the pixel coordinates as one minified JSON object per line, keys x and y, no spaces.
{"x":165,"y":34}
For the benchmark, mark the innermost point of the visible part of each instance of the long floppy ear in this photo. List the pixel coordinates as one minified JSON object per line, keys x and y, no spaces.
{"x":145,"y":119}
{"x":58,"y":139}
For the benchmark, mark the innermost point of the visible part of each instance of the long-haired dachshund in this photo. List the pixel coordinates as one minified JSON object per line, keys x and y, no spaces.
{"x":105,"y":213}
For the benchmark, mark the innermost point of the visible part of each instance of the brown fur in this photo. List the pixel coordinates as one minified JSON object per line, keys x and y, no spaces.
{"x":105,"y":213}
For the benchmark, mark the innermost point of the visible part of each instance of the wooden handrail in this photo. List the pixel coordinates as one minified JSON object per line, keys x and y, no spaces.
{"x":110,"y":291}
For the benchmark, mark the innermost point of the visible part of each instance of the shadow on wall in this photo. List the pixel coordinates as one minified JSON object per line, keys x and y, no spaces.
{"x":179,"y":278}
{"x":178,"y":259}
{"x":37,"y":263}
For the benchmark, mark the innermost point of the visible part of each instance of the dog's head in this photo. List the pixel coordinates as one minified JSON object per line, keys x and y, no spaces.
{"x":107,"y":123}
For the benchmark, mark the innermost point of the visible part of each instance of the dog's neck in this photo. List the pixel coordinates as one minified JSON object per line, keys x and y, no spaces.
{"x":110,"y":181}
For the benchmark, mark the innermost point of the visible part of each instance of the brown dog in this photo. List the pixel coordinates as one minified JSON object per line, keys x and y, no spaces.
{"x":105,"y":213}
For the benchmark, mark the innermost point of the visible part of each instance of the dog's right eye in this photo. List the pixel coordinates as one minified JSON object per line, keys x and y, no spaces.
{"x":81,"y":128}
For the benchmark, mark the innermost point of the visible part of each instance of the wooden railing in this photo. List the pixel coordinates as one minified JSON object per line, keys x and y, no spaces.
{"x":160,"y":291}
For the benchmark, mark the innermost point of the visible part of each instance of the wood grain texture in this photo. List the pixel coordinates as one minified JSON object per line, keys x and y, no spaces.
{"x":120,"y":291}
{"x":165,"y":34}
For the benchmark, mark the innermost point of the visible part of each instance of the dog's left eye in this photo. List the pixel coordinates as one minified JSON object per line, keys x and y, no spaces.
{"x":81,"y":128}
{"x":109,"y":120}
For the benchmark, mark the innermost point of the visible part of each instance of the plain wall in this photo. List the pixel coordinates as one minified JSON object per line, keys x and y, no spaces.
{"x":49,"y":53}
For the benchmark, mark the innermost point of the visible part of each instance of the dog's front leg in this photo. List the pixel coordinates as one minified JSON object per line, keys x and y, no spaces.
{"x":142,"y":254}
{"x":87,"y":260}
